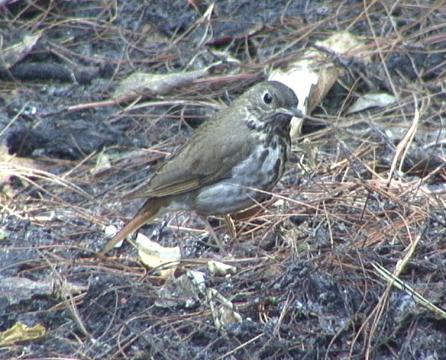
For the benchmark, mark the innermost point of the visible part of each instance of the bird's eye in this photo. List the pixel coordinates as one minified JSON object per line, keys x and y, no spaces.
{"x":267,"y":98}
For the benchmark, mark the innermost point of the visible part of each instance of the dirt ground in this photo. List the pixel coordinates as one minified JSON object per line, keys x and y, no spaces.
{"x":345,"y":261}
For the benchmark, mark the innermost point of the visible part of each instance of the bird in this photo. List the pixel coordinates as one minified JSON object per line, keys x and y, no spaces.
{"x":227,"y":165}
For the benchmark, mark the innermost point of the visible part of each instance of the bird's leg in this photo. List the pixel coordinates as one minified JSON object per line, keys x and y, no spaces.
{"x":231,"y":226}
{"x":212,"y":233}
{"x":160,"y":230}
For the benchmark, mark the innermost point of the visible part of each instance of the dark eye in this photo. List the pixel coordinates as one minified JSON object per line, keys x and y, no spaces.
{"x":267,"y":98}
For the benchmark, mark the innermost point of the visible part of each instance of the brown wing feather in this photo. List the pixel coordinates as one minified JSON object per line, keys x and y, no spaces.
{"x":195,"y":164}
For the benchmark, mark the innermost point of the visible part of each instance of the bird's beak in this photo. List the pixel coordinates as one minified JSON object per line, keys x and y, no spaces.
{"x":292,"y":112}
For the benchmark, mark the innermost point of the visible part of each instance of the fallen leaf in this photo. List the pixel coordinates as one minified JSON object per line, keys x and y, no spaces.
{"x":186,"y":290}
{"x":219,"y":268}
{"x":313,"y":75}
{"x":140,"y":83}
{"x":20,"y":332}
{"x":154,"y":255}
{"x":13,"y":54}
{"x":371,"y":100}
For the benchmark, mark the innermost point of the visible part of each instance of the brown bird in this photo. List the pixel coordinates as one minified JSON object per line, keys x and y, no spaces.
{"x":219,"y":171}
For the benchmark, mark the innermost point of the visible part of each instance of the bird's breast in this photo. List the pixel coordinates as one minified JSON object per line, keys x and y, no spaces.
{"x":260,"y":170}
{"x":266,"y":163}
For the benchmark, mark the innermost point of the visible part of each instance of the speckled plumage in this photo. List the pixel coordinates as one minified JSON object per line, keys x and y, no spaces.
{"x":243,"y":148}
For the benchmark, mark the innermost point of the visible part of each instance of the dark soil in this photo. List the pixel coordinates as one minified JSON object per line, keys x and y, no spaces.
{"x":306,"y":283}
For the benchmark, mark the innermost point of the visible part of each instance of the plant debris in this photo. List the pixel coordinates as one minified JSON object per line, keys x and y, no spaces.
{"x":345,"y":261}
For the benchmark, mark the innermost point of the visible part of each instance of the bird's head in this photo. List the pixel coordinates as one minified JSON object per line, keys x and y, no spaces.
{"x":270,"y":103}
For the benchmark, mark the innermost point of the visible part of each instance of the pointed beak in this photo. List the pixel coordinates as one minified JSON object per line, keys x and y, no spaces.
{"x":292,"y":112}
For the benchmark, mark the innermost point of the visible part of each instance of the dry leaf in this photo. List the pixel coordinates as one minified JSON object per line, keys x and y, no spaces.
{"x":219,"y":268}
{"x":20,"y":332}
{"x":313,"y":75}
{"x":16,"y":289}
{"x":185,"y":290}
{"x":154,"y":255}
{"x":140,"y":83}
{"x":13,"y":54}
{"x":368,"y":101}
{"x":223,"y":311}
{"x":10,"y":165}
{"x":102,"y":164}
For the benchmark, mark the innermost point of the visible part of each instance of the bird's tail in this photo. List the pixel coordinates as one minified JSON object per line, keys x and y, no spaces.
{"x":146,"y":213}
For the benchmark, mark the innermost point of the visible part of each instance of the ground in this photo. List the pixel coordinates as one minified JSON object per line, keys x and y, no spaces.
{"x":363,"y":194}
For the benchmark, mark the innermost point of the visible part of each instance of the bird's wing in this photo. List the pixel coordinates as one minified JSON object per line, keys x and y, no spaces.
{"x":207,"y":158}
